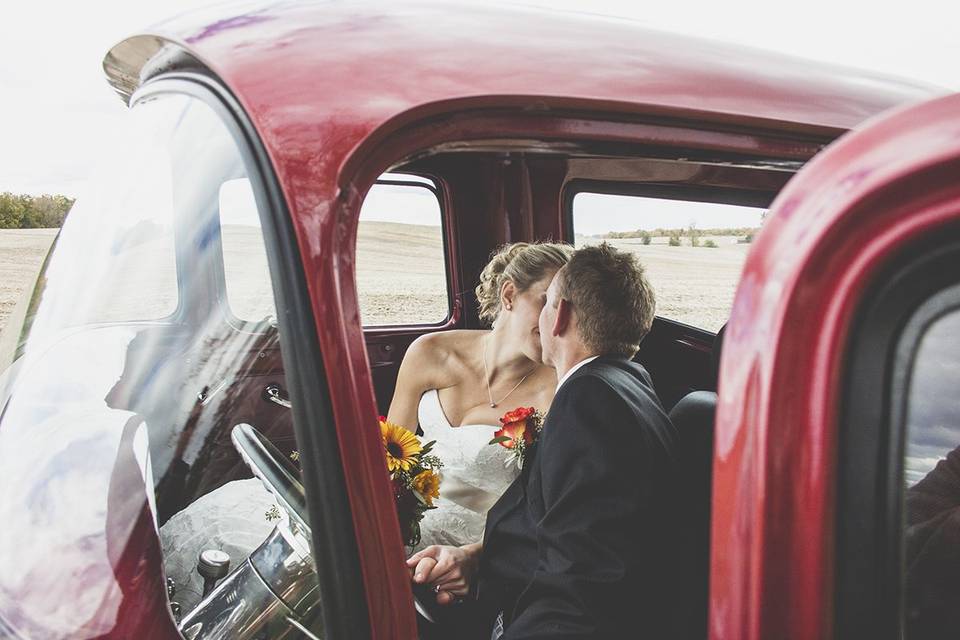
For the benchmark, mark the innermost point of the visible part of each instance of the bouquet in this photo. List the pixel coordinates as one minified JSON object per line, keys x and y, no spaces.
{"x":413,"y":475}
{"x":521,"y":428}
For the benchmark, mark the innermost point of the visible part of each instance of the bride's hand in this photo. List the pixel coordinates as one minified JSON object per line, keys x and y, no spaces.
{"x":449,"y":569}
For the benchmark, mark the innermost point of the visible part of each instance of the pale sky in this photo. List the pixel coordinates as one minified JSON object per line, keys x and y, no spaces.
{"x":58,"y":111}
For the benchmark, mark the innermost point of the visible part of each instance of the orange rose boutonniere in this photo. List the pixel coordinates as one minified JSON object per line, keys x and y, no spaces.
{"x":521,"y":428}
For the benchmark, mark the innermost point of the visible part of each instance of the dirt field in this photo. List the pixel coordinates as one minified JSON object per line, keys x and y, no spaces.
{"x":401,"y":274}
{"x":21,"y":252}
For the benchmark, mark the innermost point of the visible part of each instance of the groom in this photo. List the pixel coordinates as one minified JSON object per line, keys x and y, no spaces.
{"x":581,"y":544}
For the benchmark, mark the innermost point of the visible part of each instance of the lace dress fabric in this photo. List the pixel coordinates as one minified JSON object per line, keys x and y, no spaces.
{"x":474,"y":476}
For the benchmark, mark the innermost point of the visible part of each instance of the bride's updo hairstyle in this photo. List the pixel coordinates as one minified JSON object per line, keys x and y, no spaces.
{"x":521,"y":263}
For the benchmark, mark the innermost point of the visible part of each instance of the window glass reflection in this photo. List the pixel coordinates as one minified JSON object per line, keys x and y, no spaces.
{"x":932,"y":479}
{"x":118,"y":415}
{"x":245,"y":271}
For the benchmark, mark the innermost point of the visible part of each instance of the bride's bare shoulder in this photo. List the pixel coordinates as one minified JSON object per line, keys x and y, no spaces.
{"x":443,"y":348}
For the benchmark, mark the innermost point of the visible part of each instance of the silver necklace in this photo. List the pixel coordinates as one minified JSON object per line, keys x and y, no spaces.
{"x":486,"y":378}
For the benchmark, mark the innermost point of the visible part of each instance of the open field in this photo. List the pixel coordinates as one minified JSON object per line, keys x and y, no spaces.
{"x":401,"y":275}
{"x":21,"y":252}
{"x":694,"y":285}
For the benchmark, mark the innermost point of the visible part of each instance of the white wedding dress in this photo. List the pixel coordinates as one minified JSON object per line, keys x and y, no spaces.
{"x":474,"y":476}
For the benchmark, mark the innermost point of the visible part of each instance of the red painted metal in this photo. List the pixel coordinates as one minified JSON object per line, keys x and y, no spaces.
{"x":329,"y":85}
{"x":832,"y":228}
{"x":358,"y":64}
{"x":345,"y":352}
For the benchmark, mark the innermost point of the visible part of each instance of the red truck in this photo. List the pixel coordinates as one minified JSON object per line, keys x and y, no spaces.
{"x":240,"y":261}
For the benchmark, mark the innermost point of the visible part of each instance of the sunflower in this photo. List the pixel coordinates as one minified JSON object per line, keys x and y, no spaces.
{"x":427,"y":484}
{"x":402,"y":447}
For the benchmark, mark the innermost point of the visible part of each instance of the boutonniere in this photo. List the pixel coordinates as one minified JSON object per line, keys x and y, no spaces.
{"x":521,"y":428}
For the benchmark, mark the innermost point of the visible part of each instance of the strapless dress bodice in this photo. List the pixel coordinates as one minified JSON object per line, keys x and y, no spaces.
{"x":474,"y":475}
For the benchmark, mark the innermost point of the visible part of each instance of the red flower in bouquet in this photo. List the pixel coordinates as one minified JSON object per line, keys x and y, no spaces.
{"x":520,"y":429}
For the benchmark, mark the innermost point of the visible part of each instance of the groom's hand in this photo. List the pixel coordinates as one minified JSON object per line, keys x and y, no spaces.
{"x":448,"y":569}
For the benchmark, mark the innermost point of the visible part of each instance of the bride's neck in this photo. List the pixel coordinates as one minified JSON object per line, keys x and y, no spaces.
{"x":505,"y":359}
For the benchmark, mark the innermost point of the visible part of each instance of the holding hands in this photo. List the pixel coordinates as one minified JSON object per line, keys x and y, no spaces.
{"x":450,"y":570}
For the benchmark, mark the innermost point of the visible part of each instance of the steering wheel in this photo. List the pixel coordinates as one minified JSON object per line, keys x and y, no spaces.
{"x":282,"y":479}
{"x":275,"y":471}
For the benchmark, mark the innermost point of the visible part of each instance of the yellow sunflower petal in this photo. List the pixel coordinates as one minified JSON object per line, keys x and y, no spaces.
{"x":427,"y":484}
{"x":401,"y":447}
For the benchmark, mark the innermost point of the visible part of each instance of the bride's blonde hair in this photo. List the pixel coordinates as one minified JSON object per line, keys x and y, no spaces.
{"x":522,"y":264}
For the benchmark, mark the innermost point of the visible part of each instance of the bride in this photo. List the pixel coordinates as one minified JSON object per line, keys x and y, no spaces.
{"x":457,"y":384}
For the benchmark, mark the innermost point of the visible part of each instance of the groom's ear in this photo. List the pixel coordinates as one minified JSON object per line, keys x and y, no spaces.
{"x":564,"y":317}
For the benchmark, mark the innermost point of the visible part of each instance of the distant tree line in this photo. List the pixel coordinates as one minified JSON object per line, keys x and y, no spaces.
{"x":674,"y":237}
{"x":21,"y":211}
{"x":680,"y":233}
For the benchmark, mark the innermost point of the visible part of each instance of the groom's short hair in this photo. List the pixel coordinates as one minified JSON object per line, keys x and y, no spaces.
{"x":611,"y":297}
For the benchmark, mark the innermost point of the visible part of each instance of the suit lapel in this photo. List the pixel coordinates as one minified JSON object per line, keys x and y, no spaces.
{"x":510,"y":500}
{"x":514,"y":496}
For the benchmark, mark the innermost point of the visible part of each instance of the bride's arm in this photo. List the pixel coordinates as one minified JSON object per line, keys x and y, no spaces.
{"x":416,"y":374}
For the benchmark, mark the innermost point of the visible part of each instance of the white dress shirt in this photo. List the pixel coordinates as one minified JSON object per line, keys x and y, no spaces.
{"x":574,"y":368}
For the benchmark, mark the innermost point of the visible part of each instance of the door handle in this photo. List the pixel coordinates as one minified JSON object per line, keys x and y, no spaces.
{"x":273,"y":393}
{"x":204,"y":396}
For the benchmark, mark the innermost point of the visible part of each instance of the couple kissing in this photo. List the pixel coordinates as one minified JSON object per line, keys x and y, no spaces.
{"x":579,"y":542}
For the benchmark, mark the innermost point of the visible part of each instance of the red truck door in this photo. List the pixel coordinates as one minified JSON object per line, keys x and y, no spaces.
{"x":836,"y":481}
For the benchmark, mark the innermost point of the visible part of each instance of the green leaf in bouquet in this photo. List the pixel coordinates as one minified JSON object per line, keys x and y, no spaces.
{"x":500,"y":439}
{"x":272,"y":514}
{"x":430,"y":462}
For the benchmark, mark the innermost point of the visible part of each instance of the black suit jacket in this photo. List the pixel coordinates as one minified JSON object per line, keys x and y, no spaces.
{"x":579,"y":546}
